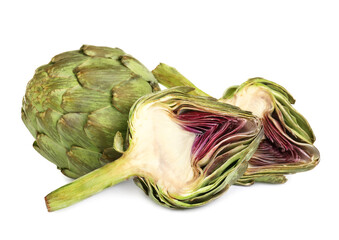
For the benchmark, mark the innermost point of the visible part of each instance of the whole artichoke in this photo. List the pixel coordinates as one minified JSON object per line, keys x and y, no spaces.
{"x":75,"y":104}
{"x":287,"y":146}
{"x":184,"y":150}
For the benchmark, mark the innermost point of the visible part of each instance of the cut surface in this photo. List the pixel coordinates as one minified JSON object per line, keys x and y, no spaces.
{"x":163,"y":148}
{"x":176,"y":146}
{"x":278,"y":147}
{"x":253,"y":99}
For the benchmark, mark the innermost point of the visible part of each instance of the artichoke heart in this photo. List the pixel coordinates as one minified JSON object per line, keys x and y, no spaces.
{"x":75,"y":104}
{"x":183,"y":151}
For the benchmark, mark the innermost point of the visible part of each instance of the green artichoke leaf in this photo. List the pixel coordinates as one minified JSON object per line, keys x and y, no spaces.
{"x":230,"y":92}
{"x":54,"y":100}
{"x":101,"y":74}
{"x":60,"y":83}
{"x":45,"y":120}
{"x":78,"y":99}
{"x":70,"y":102}
{"x":118,"y":144}
{"x":64,"y":67}
{"x":102,"y":125}
{"x":66,"y":55}
{"x":28,"y":116}
{"x":129,"y":91}
{"x":138,"y":68}
{"x":57,"y":154}
{"x":102,"y":52}
{"x":101,"y":79}
{"x":71,"y":130}
{"x":109,"y":155}
{"x":85,"y":157}
{"x":184,"y":151}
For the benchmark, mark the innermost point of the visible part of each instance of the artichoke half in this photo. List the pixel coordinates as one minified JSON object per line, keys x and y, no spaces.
{"x":74,"y":105}
{"x":287,"y":146}
{"x":288,"y":143}
{"x":184,"y":151}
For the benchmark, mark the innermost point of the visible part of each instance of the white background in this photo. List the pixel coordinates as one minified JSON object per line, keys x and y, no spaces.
{"x":216,"y":44}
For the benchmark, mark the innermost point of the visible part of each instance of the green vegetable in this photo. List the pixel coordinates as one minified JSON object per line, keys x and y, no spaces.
{"x":287,"y":146}
{"x":184,"y":151}
{"x":74,"y":105}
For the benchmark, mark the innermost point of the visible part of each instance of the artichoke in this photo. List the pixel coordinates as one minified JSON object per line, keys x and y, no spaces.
{"x":288,"y":143}
{"x":74,"y":105}
{"x":287,"y":146}
{"x":184,"y":151}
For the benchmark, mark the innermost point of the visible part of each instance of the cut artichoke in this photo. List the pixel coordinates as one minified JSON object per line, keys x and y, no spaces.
{"x":287,"y":146}
{"x":183,"y":150}
{"x":74,"y":105}
{"x":288,"y":143}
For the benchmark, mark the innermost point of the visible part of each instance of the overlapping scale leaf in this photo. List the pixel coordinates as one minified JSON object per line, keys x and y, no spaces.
{"x":103,"y":124}
{"x":88,"y":159}
{"x":109,"y":155}
{"x":104,"y":52}
{"x":64,"y":67}
{"x":139,"y":69}
{"x":28,"y":116}
{"x":66,"y":55}
{"x":55,"y":153}
{"x":72,"y":133}
{"x":102,"y":78}
{"x":47,"y":122}
{"x":78,"y":99}
{"x":128,"y":92}
{"x":54,"y":100}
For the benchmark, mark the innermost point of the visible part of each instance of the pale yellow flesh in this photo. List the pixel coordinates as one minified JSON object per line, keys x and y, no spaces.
{"x":253,"y":99}
{"x":162,"y":149}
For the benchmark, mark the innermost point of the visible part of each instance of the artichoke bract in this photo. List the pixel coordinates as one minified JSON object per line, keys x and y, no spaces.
{"x":288,"y":143}
{"x":74,"y":105}
{"x":287,"y":146}
{"x":184,"y":151}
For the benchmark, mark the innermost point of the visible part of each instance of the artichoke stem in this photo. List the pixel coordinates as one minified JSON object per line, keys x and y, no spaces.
{"x":89,"y":184}
{"x":170,"y":77}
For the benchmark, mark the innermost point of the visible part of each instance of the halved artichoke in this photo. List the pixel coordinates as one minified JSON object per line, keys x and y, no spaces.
{"x":287,"y":146}
{"x":74,"y":105}
{"x":288,"y":143}
{"x":184,"y":151}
